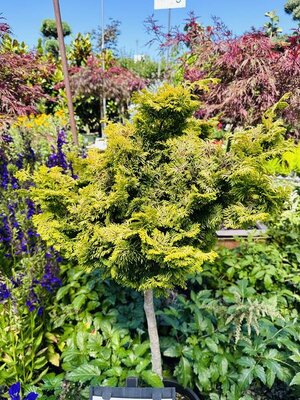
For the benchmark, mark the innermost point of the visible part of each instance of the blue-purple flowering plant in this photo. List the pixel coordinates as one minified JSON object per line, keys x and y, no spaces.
{"x":15,"y":393}
{"x":24,"y":298}
{"x":29,"y":271}
{"x":58,"y":156}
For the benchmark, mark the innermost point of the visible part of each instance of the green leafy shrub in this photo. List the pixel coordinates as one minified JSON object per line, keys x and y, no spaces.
{"x":97,"y":335}
{"x":287,"y":164}
{"x":236,"y":333}
{"x":230,"y":340}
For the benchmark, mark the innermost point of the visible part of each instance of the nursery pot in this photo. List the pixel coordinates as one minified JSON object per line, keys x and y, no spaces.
{"x":186,"y":393}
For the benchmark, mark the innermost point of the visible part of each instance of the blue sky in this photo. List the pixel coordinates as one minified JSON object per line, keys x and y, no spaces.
{"x":25,"y":16}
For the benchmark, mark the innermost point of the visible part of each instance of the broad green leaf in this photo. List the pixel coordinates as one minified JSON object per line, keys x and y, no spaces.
{"x":81,"y":340}
{"x":112,"y":381}
{"x":268,"y":281}
{"x":246,"y":362}
{"x":97,"y":380}
{"x":52,"y":381}
{"x":204,"y":376}
{"x":211,"y":344}
{"x":106,"y":328}
{"x":84,"y":373}
{"x":72,"y":355}
{"x":272,"y":353}
{"x":94,"y":343}
{"x":105,"y":353}
{"x":259,"y":372}
{"x":270,"y":377}
{"x":115,"y":371}
{"x":141,"y":349}
{"x":62,"y":291}
{"x":246,"y":378}
{"x":296,"y":357}
{"x":284,"y":374}
{"x":102,"y":364}
{"x":54,"y":358}
{"x":152,"y":379}
{"x":184,"y":372}
{"x":79,"y":301}
{"x":143,"y":364}
{"x":296,"y":380}
{"x":173,"y":351}
{"x":224,"y":366}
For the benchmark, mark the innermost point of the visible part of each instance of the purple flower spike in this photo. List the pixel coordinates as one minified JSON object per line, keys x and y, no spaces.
{"x":32,"y":301}
{"x":58,"y":157}
{"x":14,"y":391}
{"x":7,"y":138}
{"x":31,"y":396}
{"x":40,"y":311}
{"x":4,"y":292}
{"x":30,"y":208}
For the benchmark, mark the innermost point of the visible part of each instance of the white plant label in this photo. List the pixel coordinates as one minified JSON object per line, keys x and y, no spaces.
{"x":162,"y":4}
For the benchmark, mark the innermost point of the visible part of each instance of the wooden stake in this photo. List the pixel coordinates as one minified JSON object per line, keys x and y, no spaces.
{"x":62,"y":51}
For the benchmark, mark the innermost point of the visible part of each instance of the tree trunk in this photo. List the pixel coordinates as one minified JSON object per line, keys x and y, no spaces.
{"x":153,"y":333}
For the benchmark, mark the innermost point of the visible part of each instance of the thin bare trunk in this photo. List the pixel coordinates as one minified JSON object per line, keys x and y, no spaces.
{"x":153,"y":332}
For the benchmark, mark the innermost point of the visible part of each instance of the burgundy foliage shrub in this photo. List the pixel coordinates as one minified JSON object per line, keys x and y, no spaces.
{"x":254,"y":73}
{"x":116,"y":82}
{"x":253,"y":70}
{"x":20,"y":81}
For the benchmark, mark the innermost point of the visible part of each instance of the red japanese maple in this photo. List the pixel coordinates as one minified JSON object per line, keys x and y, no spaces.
{"x":20,"y":81}
{"x":116,"y":82}
{"x":253,"y":70}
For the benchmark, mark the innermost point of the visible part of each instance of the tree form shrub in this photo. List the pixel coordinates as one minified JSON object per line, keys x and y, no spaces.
{"x":146,"y":210}
{"x":253,"y":75}
{"x":19,"y":83}
{"x":272,"y":27}
{"x":48,"y":29}
{"x":49,"y":32}
{"x":293,"y":7}
{"x":116,"y":82}
{"x":146,"y":68}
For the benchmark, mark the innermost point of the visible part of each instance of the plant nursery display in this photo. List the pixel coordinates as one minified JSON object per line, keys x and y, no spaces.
{"x":146,"y":210}
{"x":110,"y":263}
